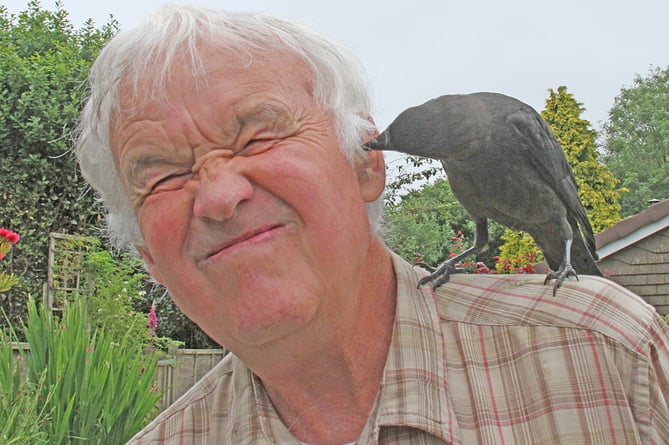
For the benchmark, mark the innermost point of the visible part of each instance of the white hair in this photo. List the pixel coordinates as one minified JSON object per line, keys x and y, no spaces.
{"x":339,"y":86}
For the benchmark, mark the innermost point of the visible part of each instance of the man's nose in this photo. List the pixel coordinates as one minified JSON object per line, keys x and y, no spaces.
{"x":220,"y":188}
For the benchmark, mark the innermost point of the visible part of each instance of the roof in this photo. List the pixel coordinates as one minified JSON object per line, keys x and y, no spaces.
{"x":631,"y":230}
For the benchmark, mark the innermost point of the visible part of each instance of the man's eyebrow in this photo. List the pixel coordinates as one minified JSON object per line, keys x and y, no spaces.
{"x":265,"y":111}
{"x":137,"y":166}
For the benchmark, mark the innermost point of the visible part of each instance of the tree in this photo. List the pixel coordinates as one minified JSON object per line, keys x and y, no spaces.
{"x":414,"y":172}
{"x":636,"y":140}
{"x":429,"y":223}
{"x":599,"y":190}
{"x":44,"y":62}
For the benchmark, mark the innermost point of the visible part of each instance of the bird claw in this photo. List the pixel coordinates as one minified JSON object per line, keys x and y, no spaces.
{"x":425,"y":266}
{"x":439,"y":276}
{"x":560,"y":275}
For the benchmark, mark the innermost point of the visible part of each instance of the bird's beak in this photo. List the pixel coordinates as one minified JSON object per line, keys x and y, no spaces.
{"x":380,"y":143}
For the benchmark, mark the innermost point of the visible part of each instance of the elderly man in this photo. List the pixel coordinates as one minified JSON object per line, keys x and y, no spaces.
{"x":227,"y":148}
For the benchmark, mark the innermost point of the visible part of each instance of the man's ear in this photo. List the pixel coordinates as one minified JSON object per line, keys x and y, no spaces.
{"x":371,"y":171}
{"x":150,"y":264}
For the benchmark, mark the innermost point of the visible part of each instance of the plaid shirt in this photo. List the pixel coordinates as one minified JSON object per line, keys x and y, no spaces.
{"x":485,"y":359}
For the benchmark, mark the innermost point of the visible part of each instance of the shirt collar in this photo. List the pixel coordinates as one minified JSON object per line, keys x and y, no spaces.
{"x":254,"y":419}
{"x":414,"y":390}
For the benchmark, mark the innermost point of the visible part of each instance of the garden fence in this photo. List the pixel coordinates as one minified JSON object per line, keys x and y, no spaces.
{"x":177,"y":373}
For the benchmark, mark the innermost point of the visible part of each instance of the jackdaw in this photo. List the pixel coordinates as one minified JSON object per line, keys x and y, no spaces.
{"x":503,"y":163}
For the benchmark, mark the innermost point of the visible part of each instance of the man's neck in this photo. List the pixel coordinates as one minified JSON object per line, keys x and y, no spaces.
{"x":324,"y":390}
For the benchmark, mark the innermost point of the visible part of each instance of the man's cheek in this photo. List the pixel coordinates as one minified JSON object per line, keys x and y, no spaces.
{"x":163,"y":233}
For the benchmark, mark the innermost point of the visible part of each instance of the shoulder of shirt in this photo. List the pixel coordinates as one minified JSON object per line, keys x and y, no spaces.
{"x":589,"y":303}
{"x":203,"y":388}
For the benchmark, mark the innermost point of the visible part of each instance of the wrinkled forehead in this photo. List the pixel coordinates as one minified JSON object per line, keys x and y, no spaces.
{"x":163,"y":78}
{"x":223,"y":80}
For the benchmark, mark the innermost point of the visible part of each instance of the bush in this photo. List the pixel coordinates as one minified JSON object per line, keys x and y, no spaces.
{"x":115,"y":283}
{"x":518,"y":254}
{"x":44,"y":61}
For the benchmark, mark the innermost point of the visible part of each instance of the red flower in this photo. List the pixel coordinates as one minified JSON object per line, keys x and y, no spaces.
{"x":10,"y":236}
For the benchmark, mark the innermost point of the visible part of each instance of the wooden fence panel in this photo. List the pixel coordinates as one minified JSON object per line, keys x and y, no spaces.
{"x":179,"y":374}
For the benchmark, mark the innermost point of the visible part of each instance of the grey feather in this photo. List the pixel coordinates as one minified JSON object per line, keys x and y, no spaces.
{"x":503,"y":163}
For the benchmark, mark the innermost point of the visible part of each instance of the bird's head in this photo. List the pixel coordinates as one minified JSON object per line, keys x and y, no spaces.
{"x":411,"y":132}
{"x":381,"y":142}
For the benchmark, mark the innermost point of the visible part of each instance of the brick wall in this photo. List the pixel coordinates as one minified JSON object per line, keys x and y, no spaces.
{"x":643,"y":268}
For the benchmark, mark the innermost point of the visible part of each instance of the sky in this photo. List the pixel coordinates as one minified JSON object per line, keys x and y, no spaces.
{"x":419,"y":49}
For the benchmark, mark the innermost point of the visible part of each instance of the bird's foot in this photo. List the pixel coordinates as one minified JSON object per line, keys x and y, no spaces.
{"x":438,"y":276}
{"x":425,"y":266}
{"x":560,"y":275}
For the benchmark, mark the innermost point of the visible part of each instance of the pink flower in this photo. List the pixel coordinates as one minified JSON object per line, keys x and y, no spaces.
{"x":153,"y":318}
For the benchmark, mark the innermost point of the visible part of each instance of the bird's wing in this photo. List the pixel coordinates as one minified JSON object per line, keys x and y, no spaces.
{"x":545,"y":154}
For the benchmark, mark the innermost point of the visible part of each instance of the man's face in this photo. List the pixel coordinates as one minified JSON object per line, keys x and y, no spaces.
{"x":252,"y":216}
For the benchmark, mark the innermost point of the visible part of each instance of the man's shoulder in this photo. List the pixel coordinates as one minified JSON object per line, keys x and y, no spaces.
{"x":589,"y":303}
{"x":194,"y":404}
